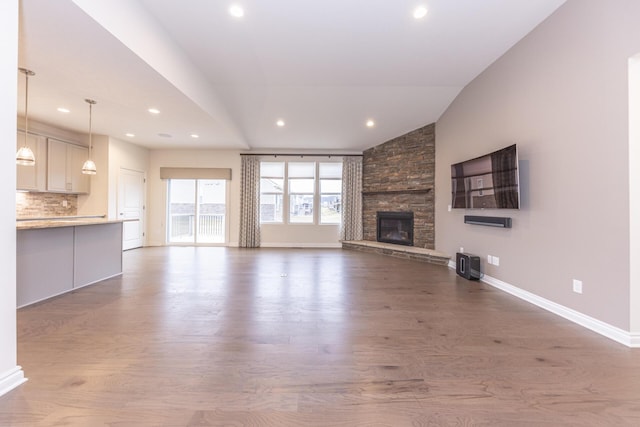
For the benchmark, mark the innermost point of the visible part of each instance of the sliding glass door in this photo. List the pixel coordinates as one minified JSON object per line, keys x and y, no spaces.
{"x":197,"y":211}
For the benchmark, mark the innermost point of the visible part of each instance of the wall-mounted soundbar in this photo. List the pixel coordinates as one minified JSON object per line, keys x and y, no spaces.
{"x":491,"y":221}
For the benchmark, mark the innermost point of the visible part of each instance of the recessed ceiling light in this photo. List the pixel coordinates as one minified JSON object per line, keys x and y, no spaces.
{"x":420,"y":12}
{"x":236,"y":11}
{"x":130,"y":135}
{"x":63,"y":110}
{"x":153,"y":111}
{"x":370,"y":123}
{"x":280,"y":123}
{"x":195,"y":136}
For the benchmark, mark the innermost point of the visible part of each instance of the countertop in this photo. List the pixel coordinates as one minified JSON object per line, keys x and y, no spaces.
{"x":71,"y":221}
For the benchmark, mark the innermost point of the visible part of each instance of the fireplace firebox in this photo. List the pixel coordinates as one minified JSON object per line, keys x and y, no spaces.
{"x":395,"y":227}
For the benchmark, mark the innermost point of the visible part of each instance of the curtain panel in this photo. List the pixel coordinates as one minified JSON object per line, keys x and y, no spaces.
{"x":351,"y":228}
{"x":250,"y":202}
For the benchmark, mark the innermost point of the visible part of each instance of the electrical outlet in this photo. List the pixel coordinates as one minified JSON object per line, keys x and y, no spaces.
{"x":489,"y":260}
{"x":496,"y":261}
{"x":449,"y":208}
{"x":577,"y":286}
{"x":64,"y":203}
{"x":461,"y":250}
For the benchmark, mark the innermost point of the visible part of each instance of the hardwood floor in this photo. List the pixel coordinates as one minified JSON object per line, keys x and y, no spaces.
{"x":306,"y":337}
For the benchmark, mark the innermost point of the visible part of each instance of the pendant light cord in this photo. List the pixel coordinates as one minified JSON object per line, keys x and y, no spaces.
{"x":90,"y":132}
{"x":26,"y":104}
{"x":90,"y":102}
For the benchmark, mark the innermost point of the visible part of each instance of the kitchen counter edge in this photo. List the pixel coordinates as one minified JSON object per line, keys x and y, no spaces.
{"x":56,"y":223}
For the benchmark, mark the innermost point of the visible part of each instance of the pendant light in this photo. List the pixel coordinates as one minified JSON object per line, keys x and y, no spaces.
{"x":89,"y":167}
{"x":25,"y":156}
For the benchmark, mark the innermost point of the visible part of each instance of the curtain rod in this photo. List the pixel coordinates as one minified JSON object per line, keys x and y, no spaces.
{"x":301,"y":155}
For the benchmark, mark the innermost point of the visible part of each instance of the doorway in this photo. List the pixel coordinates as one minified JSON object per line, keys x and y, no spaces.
{"x":131,"y":207}
{"x":197,"y":211}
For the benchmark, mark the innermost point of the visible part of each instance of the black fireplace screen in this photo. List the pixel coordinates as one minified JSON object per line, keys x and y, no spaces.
{"x":395,"y":227}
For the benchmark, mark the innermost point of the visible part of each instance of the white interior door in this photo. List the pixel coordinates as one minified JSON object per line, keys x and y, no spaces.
{"x":131,"y":207}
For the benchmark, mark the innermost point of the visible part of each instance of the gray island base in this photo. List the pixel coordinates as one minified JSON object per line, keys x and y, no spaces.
{"x":57,"y":257}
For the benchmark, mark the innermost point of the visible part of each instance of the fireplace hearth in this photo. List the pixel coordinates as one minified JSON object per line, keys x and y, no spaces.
{"x":395,"y":227}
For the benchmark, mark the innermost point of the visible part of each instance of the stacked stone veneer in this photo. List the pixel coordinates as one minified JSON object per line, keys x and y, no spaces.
{"x":36,"y":205}
{"x":398,"y":175}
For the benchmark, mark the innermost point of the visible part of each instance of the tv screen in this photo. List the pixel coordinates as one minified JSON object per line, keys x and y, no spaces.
{"x":487,"y":182}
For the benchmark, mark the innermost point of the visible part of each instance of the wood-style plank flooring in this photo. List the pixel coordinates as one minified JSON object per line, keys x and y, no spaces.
{"x":309,"y":337}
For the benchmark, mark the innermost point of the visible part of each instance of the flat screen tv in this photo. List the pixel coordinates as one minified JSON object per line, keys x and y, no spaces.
{"x":487,"y":182}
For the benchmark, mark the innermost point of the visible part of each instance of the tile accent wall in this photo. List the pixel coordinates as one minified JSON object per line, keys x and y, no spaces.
{"x":29,"y":205}
{"x":398,"y":175}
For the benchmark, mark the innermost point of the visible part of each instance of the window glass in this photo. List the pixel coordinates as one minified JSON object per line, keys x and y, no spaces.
{"x":271,"y":192}
{"x":290,"y":192}
{"x":211,"y":211}
{"x":330,"y":186}
{"x":197,"y":211}
{"x":182,"y":210}
{"x":301,"y":191}
{"x":330,"y":193}
{"x":301,"y":208}
{"x":331,"y":212}
{"x":301,"y":186}
{"x":271,"y":185}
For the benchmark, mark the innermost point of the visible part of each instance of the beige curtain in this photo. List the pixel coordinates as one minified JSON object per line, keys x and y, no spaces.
{"x":250,"y":202}
{"x":351,"y":199}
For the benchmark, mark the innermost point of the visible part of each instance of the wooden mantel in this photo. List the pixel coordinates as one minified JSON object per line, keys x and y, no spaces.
{"x":408,"y":191}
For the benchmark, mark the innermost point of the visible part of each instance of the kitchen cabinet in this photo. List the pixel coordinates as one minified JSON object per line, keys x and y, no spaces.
{"x":32,"y":178}
{"x":64,"y":167}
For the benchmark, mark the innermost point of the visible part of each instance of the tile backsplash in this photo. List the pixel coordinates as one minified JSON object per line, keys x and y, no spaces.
{"x":30,"y":205}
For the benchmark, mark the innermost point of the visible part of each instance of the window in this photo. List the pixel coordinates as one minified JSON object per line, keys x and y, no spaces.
{"x":271,"y":191}
{"x":308,"y":192}
{"x":197,"y":211}
{"x":301,"y":191}
{"x":330,"y":193}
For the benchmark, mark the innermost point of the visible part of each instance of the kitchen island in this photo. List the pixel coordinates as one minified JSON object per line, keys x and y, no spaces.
{"x":58,"y":255}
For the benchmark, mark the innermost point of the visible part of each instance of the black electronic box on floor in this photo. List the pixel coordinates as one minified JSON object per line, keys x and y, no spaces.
{"x":468,"y":266}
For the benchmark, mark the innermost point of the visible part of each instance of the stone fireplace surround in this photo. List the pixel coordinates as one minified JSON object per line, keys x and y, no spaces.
{"x":398,"y":175}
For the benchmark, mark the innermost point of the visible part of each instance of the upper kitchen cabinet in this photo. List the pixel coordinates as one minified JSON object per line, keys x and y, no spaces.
{"x":64,"y":168}
{"x":32,"y":178}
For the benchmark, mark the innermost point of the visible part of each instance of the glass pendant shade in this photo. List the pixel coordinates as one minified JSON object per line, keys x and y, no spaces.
{"x":89,"y":167}
{"x":25,"y":157}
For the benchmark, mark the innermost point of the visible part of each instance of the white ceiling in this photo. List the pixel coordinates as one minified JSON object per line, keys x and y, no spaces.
{"x":324,"y":67}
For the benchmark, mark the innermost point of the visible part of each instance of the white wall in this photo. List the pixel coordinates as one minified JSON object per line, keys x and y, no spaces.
{"x":561,"y":94}
{"x":634,"y":191}
{"x":157,"y":188}
{"x":300,"y":235}
{"x":11,"y":374}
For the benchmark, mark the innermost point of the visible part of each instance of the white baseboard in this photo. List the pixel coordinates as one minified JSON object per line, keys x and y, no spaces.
{"x":336,"y":245}
{"x":11,"y":379}
{"x":598,"y":326}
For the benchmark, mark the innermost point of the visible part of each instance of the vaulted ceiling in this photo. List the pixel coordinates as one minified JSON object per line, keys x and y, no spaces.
{"x":322,"y":67}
